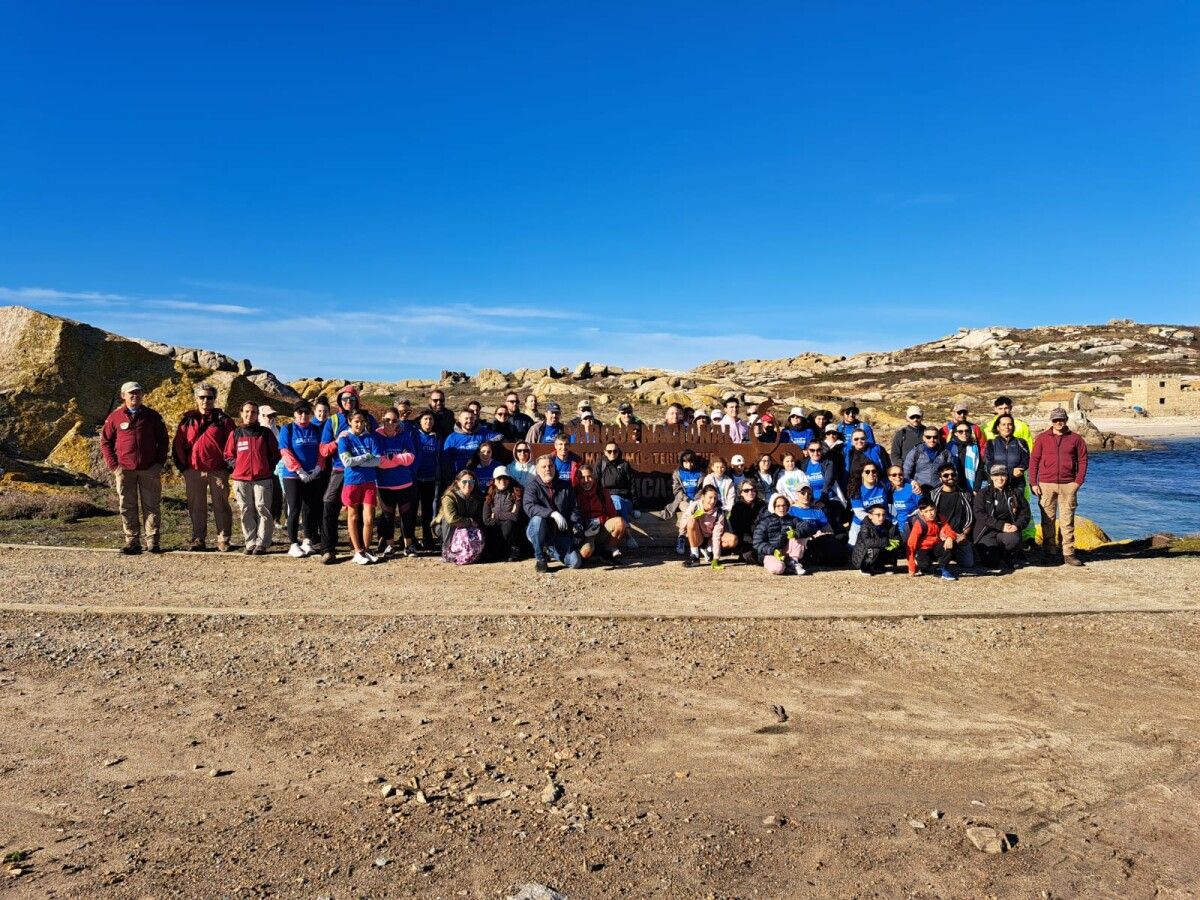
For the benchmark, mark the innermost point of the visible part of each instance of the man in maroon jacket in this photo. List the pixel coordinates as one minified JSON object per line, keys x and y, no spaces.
{"x":199,"y":453}
{"x":134,"y":444}
{"x":1057,"y":469}
{"x":252,"y":452}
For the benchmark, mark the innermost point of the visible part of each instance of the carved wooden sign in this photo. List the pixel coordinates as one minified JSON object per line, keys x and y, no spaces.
{"x":652,"y":451}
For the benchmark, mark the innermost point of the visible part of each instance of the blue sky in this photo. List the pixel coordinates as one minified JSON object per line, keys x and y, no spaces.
{"x":384,"y":190}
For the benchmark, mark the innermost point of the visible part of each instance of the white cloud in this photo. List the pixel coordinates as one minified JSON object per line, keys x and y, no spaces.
{"x":50,"y":295}
{"x":222,"y":308}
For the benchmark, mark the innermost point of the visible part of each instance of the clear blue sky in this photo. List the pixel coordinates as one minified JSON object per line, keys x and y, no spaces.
{"x":388,"y":189}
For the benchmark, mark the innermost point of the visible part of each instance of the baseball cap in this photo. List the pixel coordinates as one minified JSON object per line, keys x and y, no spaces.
{"x":131,"y":386}
{"x":737,"y":460}
{"x":797,"y":411}
{"x":584,"y":404}
{"x":266,"y":410}
{"x":500,"y":472}
{"x":625,"y":407}
{"x":1058,"y":413}
{"x":768,"y":417}
{"x":849,"y":408}
{"x":701,"y":414}
{"x":831,"y":429}
{"x":998,"y":470}
{"x":914,"y":411}
{"x":960,"y":407}
{"x":717,"y":414}
{"x":553,"y":407}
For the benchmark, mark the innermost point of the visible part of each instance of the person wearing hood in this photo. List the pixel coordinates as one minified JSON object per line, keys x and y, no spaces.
{"x":780,"y":538}
{"x":134,"y":444}
{"x":743,"y":516}
{"x":908,"y":436}
{"x":300,"y":453}
{"x":546,"y":431}
{"x":337,"y":426}
{"x":523,"y":468}
{"x":199,"y":453}
{"x":553,"y":518}
{"x":503,"y":517}
{"x":922,"y":463}
{"x":1001,"y":514}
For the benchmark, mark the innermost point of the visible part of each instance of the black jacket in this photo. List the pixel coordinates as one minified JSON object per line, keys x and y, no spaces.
{"x":955,"y":507}
{"x":904,"y":440}
{"x":504,"y":506}
{"x":615,"y":476}
{"x":743,"y":517}
{"x":994,"y":508}
{"x":872,"y":537}
{"x":542,"y":499}
{"x":770,"y":532}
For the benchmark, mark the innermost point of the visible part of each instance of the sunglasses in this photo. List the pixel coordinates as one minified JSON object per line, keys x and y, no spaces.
{"x":931,"y":437}
{"x":612,"y":452}
{"x":962,"y":431}
{"x":385,"y":421}
{"x":501,"y":415}
{"x":870,"y":471}
{"x":813,"y":450}
{"x":522,"y":450}
{"x":466,"y":481}
{"x":948,"y":476}
{"x":895,"y":474}
{"x":436,"y":400}
{"x":749,"y":491}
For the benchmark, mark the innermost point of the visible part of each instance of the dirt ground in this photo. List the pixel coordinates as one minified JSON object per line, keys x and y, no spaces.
{"x":203,"y":726}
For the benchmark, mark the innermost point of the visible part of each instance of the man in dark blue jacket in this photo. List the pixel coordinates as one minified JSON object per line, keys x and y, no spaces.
{"x":553,"y":518}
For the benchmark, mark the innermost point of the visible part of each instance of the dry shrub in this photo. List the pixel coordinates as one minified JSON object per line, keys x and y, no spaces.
{"x":65,"y":506}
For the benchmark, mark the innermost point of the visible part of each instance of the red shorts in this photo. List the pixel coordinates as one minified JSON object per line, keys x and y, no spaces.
{"x":358,"y":494}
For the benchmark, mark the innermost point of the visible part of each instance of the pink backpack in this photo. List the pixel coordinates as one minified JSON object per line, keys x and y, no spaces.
{"x":464,"y":547}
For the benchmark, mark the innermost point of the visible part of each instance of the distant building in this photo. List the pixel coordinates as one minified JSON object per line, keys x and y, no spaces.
{"x":1164,"y":395}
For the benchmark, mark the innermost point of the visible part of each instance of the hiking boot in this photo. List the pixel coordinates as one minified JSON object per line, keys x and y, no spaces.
{"x":132,"y":548}
{"x":689,"y":561}
{"x":514,"y":555}
{"x":541,"y":566}
{"x":197,"y":546}
{"x":155,"y":547}
{"x":328,"y":558}
{"x":1072,"y":560}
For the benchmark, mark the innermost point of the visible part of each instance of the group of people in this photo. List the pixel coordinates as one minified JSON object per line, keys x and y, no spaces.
{"x":944,"y":497}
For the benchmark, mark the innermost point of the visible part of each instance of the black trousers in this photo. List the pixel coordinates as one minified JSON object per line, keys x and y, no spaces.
{"x":303,"y":499}
{"x":938,"y":556}
{"x":999,"y":545}
{"x":333,"y":509}
{"x":398,"y":503}
{"x":427,"y":492}
{"x":505,"y":536}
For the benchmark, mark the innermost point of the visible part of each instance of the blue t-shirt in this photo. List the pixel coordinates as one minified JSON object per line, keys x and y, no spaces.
{"x":816,"y":516}
{"x":304,"y":443}
{"x":902,"y":506}
{"x":357,"y":445}
{"x":816,"y":478}
{"x":866,"y":498}
{"x":691,"y":479}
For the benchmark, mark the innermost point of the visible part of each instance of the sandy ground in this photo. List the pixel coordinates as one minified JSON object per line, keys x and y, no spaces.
{"x":206,"y":726}
{"x":1153,"y":427}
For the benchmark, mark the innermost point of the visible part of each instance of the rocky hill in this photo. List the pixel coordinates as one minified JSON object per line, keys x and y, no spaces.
{"x":60,"y":378}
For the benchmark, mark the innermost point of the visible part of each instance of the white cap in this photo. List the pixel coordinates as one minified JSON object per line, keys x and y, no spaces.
{"x":266,"y":410}
{"x":797,"y":411}
{"x":500,"y":472}
{"x":737,"y":460}
{"x":914,"y":411}
{"x":717,"y":414}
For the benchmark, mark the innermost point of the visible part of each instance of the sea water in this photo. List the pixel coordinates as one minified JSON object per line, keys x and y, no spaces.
{"x":1134,"y":493}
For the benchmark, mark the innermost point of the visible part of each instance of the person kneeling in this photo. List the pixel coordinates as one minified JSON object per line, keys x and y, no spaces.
{"x":553,"y":518}
{"x":931,"y":542}
{"x":604,"y":529}
{"x":777,"y":538}
{"x":460,"y":521}
{"x":878,"y":541}
{"x":705,"y":523}
{"x":1001,"y":514}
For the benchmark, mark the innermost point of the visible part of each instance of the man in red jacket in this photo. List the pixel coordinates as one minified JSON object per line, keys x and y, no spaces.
{"x":134,"y":443}
{"x":199,"y":453}
{"x":1057,"y":468}
{"x":252,"y":452}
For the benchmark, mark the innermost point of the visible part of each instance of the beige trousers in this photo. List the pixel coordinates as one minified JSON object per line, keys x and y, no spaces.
{"x":254,"y":502}
{"x":139,"y":488}
{"x":1058,"y":502}
{"x":200,"y":486}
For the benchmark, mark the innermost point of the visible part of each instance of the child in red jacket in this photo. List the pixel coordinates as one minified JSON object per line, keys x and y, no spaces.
{"x":931,"y":542}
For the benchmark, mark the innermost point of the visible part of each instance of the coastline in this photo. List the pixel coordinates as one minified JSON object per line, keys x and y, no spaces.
{"x":1152,"y":427}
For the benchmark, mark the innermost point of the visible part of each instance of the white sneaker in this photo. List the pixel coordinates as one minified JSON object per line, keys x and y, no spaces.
{"x":631,"y":543}
{"x":616,"y":554}
{"x":307,"y":548}
{"x":296,"y":552}
{"x":360,"y":559}
{"x":706,"y":556}
{"x":800,"y":570}
{"x":371,"y":557}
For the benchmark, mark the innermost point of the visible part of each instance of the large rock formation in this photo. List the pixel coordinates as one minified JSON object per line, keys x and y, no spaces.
{"x":59,"y":379}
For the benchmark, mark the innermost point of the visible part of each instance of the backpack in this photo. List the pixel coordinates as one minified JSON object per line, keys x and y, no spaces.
{"x":464,"y":547}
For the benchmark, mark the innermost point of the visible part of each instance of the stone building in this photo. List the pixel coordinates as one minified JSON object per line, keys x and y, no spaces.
{"x":1165,"y":395}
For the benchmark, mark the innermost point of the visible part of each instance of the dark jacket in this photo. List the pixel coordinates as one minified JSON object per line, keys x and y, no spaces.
{"x":443,"y":422}
{"x":200,"y":441}
{"x":743,"y":517}
{"x":504,"y":506}
{"x":133,"y":441}
{"x":770,"y":532}
{"x":1058,"y":459}
{"x":615,"y":476}
{"x":251,"y":451}
{"x":1011,"y":453}
{"x":904,"y":440}
{"x":872,"y":538}
{"x":956,"y":508}
{"x":542,"y":499}
{"x":520,"y":423}
{"x":922,"y":466}
{"x":994,"y":508}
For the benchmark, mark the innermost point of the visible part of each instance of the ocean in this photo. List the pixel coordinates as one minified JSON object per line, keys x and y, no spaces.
{"x":1132,"y":494}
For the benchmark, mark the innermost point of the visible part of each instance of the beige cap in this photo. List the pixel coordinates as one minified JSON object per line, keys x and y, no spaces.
{"x":266,"y":410}
{"x":131,"y":386}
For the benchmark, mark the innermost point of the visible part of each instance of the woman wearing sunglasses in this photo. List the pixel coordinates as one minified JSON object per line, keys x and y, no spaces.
{"x":965,"y":453}
{"x":461,"y":510}
{"x":397,"y":496}
{"x":522,"y":468}
{"x":870,"y":491}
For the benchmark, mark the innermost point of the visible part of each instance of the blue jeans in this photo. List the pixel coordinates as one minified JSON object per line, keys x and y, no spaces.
{"x":624,"y":507}
{"x":546,"y":539}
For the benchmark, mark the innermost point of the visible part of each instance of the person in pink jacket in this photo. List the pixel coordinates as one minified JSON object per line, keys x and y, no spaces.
{"x":704,"y":524}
